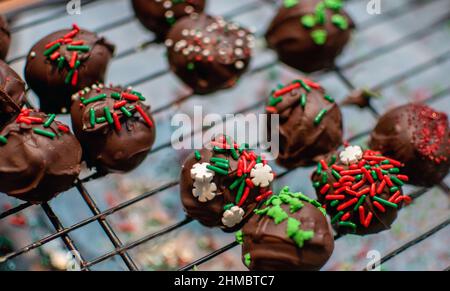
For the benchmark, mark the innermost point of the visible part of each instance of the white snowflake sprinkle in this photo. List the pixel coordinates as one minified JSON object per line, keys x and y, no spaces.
{"x":204,"y":190}
{"x":262,"y":175}
{"x":351,"y":155}
{"x":233,"y":216}
{"x":200,"y":172}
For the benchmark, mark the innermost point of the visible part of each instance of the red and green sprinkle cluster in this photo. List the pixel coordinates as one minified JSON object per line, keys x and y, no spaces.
{"x":308,"y":86}
{"x":26,"y":118}
{"x":246,"y":158}
{"x":317,"y":20}
{"x":76,"y":46}
{"x":121,"y":106}
{"x":359,"y":183}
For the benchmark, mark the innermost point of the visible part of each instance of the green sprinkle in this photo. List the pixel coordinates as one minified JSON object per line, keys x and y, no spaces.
{"x":319,"y":36}
{"x":336,"y":217}
{"x":360,"y":201}
{"x":83,"y":48}
{"x":319,"y":168}
{"x":329,"y":98}
{"x":94,"y":99}
{"x":61,"y":61}
{"x":259,"y":160}
{"x":384,"y":172}
{"x":277,"y":213}
{"x":228,"y":206}
{"x":394,"y":171}
{"x":216,"y":169}
{"x":3,"y":140}
{"x":274,"y":101}
{"x":69,"y":77}
{"x":247,"y":259}
{"x":320,"y":13}
{"x":302,"y":235}
{"x":223,"y":165}
{"x":385,"y":162}
{"x":324,"y":178}
{"x":358,"y":177}
{"x":44,"y":133}
{"x":100,"y":120}
{"x":219,"y":150}
{"x":239,"y":237}
{"x":234,"y":154}
{"x":292,"y":226}
{"x":333,"y":160}
{"x":334,"y":4}
{"x":290,"y":3}
{"x":139,"y":94}
{"x":319,"y":117}
{"x":236,"y":183}
{"x":347,"y":224}
{"x":92,"y":116}
{"x":191,"y":66}
{"x":334,"y":203}
{"x":374,"y":175}
{"x":308,"y":21}
{"x":339,"y":21}
{"x":393,"y":189}
{"x":397,"y":181}
{"x":116,"y":96}
{"x":219,"y":160}
{"x":77,"y":64}
{"x":198,"y":156}
{"x":240,"y":191}
{"x":52,"y":49}
{"x":303,"y":100}
{"x":108,"y":115}
{"x":125,"y":111}
{"x":336,"y":174}
{"x":50,"y":120}
{"x":316,"y":185}
{"x":305,"y":86}
{"x":385,"y":202}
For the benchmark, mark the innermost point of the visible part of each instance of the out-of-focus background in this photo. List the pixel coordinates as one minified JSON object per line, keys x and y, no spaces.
{"x":403,"y":52}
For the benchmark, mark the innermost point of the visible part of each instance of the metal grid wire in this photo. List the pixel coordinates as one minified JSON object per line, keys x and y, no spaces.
{"x":64,"y":233}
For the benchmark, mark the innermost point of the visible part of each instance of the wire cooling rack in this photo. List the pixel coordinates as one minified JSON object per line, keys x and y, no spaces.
{"x":115,"y":20}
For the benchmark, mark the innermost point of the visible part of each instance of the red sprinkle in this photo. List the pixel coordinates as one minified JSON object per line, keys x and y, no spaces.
{"x":129,"y":96}
{"x":388,"y":181}
{"x":249,"y":183}
{"x":350,"y":172}
{"x":347,"y":204}
{"x":368,"y":219}
{"x":286,"y":89}
{"x":271,"y":109}
{"x":367,"y":174}
{"x":324,"y":165}
{"x":394,"y":197}
{"x":359,"y":184}
{"x":351,"y":192}
{"x":144,"y":115}
{"x":379,"y":206}
{"x":63,"y":128}
{"x":335,"y":197}
{"x":381,"y":187}
{"x":404,"y":178}
{"x":119,"y":104}
{"x":73,"y":60}
{"x":361,"y":215}
{"x":345,"y":217}
{"x":75,"y":78}
{"x":117,"y":122}
{"x":373,"y":189}
{"x":325,"y":189}
{"x":264,"y":195}
{"x":250,"y":166}
{"x":363,"y":192}
{"x":244,"y":196}
{"x":54,"y":56}
{"x":338,"y":168}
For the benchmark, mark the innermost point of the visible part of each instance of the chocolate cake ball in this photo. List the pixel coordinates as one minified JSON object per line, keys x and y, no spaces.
{"x":290,"y":232}
{"x":208,"y":53}
{"x":65,"y":62}
{"x":309,"y":34}
{"x":113,"y":126}
{"x":5,"y":38}
{"x":12,"y":94}
{"x":222,"y":184}
{"x":39,"y":157}
{"x":361,"y":190}
{"x":160,"y":15}
{"x":419,"y":136}
{"x":310,"y":123}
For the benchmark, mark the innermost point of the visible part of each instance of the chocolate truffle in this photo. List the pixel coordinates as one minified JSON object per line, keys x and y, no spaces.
{"x":309,"y":34}
{"x":361,"y":190}
{"x":160,"y":15}
{"x":208,"y":53}
{"x":310,"y":123}
{"x":290,"y":232}
{"x":65,"y":62}
{"x":5,"y":38}
{"x":12,"y":94}
{"x":39,"y":157}
{"x":223,"y":185}
{"x":113,"y":126}
{"x":419,"y":136}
